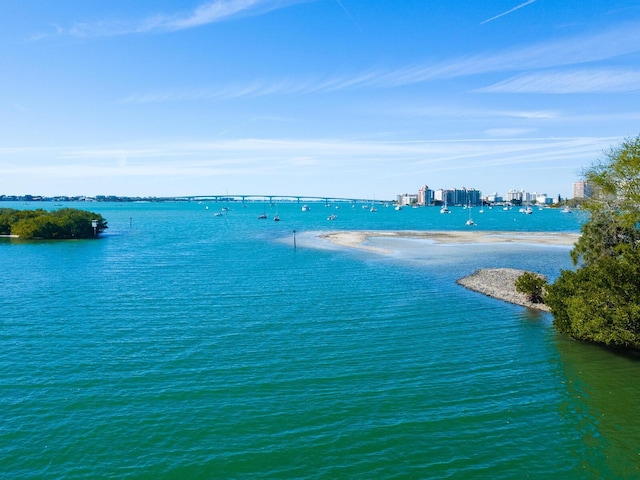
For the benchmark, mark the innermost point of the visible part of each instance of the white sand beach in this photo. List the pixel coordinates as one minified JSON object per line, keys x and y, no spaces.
{"x":357,"y":238}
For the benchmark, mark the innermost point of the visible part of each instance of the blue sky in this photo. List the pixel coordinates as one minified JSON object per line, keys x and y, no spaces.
{"x":346,"y":98}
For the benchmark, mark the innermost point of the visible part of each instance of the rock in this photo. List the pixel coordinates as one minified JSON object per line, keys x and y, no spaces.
{"x":499,"y":283}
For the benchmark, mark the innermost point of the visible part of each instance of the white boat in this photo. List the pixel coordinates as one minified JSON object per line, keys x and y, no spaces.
{"x":276,"y":218}
{"x":305,"y":208}
{"x":565,"y":209}
{"x":398,"y":207}
{"x":373,"y":205}
{"x":333,"y":216}
{"x":469,"y":220}
{"x":262,"y":217}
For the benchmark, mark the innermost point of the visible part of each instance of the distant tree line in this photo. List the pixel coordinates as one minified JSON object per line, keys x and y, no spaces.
{"x":66,"y":223}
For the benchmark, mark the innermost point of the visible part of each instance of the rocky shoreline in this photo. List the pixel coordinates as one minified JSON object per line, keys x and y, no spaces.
{"x":499,"y":283}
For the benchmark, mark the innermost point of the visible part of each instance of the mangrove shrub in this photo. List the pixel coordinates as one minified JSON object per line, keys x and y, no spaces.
{"x":66,"y":223}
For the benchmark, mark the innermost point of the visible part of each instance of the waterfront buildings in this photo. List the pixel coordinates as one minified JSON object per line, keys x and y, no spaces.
{"x":458,"y":196}
{"x":471,"y":197}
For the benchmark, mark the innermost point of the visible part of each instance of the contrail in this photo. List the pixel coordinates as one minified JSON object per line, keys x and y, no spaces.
{"x":349,"y":15}
{"x":528,"y":2}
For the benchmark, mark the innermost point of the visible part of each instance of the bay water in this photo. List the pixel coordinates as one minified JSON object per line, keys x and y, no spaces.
{"x":186,"y":345}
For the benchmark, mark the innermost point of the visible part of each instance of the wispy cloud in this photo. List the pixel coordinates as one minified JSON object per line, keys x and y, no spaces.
{"x":238,"y":154}
{"x":529,"y":2}
{"x":451,"y":111}
{"x":507,"y":132}
{"x":577,"y":50}
{"x":574,"y":81}
{"x":309,"y":165}
{"x":205,"y":14}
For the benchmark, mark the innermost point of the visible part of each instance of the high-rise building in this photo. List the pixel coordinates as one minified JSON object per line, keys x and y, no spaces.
{"x":581,"y":190}
{"x":425,"y":196}
{"x":407,"y":199}
{"x":516,"y":196}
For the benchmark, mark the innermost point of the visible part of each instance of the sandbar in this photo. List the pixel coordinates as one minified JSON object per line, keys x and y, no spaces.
{"x":357,"y":238}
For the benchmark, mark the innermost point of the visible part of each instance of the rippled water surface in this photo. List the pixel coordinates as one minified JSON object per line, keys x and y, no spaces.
{"x":185,"y":345}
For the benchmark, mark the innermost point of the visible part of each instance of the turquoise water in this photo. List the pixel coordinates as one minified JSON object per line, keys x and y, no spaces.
{"x":183,"y":345}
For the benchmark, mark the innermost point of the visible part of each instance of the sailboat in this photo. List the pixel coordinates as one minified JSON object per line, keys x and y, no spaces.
{"x":444,"y":208}
{"x":469,"y":220}
{"x":263,"y":215}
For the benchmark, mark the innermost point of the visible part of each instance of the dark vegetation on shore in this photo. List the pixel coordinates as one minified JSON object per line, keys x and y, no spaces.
{"x":599,"y":302}
{"x":66,"y":223}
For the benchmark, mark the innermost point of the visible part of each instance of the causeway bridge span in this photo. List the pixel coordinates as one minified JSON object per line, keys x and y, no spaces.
{"x":277,"y":198}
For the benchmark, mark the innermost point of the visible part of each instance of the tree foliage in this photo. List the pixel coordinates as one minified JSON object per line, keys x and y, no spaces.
{"x":600,"y":301}
{"x":65,"y":223}
{"x":532,"y":286}
{"x":614,"y":205}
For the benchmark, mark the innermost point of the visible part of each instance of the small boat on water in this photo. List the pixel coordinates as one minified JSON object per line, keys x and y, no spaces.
{"x":305,"y":208}
{"x":276,"y":218}
{"x":444,"y":208}
{"x":469,"y":220}
{"x":262,"y":216}
{"x":333,"y":216}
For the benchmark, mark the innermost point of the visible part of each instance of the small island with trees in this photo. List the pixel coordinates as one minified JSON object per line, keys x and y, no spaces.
{"x":39,"y":224}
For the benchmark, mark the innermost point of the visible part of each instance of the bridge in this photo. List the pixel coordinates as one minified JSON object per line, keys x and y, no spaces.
{"x":277,"y":198}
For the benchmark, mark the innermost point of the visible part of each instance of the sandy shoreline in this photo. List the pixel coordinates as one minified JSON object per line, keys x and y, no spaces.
{"x":357,"y":238}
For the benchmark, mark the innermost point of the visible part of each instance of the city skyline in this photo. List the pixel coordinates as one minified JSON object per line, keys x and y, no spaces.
{"x":312,"y":97}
